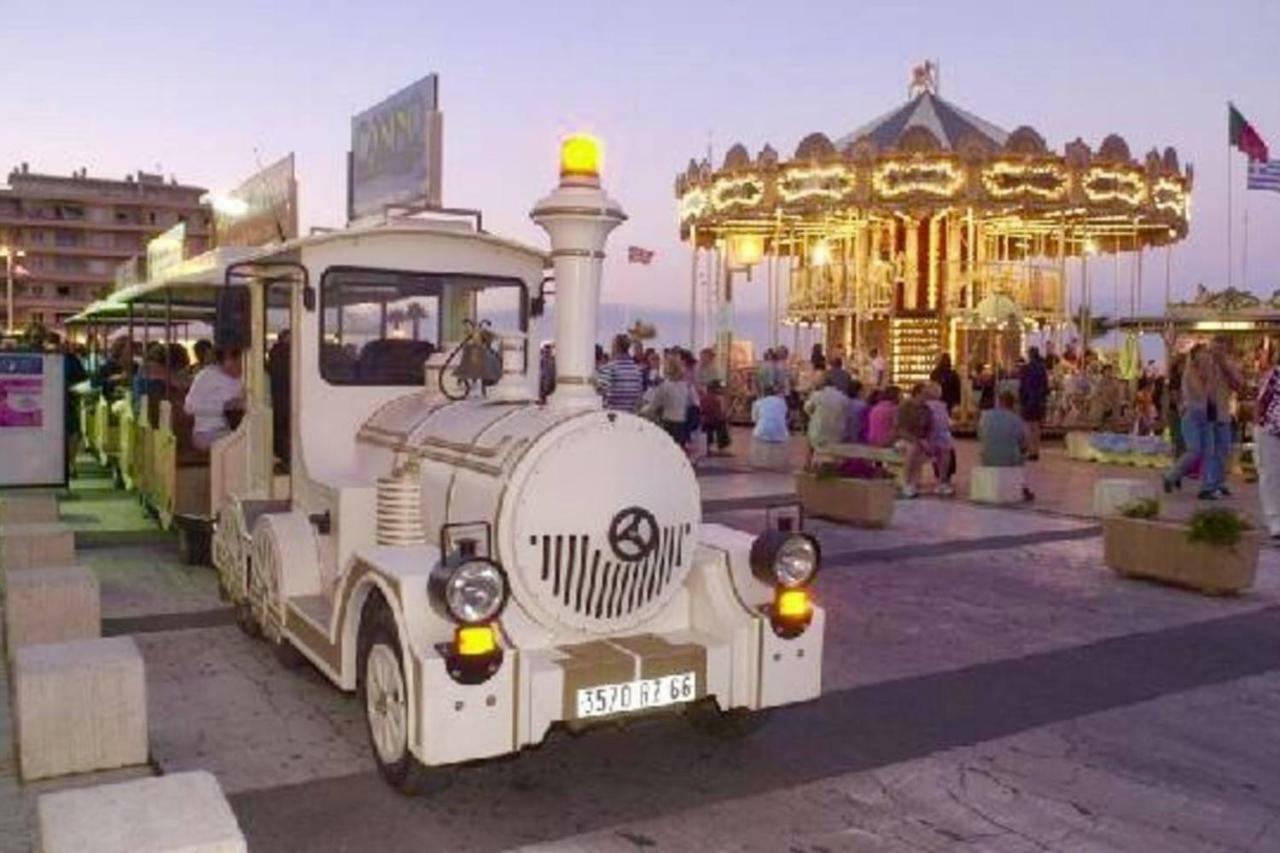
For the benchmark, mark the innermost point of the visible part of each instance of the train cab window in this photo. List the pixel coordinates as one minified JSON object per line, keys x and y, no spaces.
{"x":378,"y":327}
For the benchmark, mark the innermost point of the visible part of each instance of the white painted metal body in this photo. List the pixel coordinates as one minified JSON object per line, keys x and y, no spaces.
{"x":547,"y":480}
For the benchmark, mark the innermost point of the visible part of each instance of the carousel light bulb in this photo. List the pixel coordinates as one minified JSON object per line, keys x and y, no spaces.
{"x":580,"y":156}
{"x":747,"y":249}
{"x":820,"y":254}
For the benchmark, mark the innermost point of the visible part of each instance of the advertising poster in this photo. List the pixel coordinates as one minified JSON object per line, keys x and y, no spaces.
{"x":21,"y":392}
{"x":32,"y":443}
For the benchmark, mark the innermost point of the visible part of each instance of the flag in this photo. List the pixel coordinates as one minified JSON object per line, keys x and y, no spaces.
{"x":1264,"y":175}
{"x":1242,"y":135}
{"x":637,"y":255}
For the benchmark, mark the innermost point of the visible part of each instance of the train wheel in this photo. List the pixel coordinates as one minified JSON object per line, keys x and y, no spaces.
{"x":230,"y":549}
{"x":263,"y":599}
{"x":384,"y":691}
{"x":706,"y":718}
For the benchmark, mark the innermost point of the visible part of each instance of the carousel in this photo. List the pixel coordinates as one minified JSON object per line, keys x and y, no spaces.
{"x":926,"y":230}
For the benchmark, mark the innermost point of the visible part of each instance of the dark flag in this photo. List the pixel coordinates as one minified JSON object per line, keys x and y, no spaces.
{"x":1242,"y":135}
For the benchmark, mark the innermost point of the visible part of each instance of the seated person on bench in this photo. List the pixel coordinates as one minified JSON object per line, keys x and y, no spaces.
{"x":215,"y":389}
{"x":1003,"y":436}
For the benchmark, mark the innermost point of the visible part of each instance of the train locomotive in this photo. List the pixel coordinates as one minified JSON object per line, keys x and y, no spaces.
{"x":477,"y":564}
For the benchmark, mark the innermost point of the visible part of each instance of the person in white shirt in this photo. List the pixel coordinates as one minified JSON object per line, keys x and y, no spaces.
{"x":770,"y":437}
{"x":670,"y":402}
{"x":827,"y":408}
{"x":215,"y":389}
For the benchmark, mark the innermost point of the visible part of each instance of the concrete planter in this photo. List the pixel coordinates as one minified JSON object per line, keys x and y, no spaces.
{"x":865,"y":503}
{"x":1150,"y":548}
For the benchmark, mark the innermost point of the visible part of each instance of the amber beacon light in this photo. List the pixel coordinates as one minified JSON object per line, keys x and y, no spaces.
{"x":580,"y":155}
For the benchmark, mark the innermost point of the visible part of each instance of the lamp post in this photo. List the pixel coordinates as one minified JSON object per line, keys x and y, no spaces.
{"x":9,"y":256}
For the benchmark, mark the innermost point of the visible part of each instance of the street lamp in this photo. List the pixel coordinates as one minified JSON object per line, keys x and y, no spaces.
{"x":9,"y":255}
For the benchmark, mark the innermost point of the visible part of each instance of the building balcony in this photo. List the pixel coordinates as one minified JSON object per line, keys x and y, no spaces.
{"x":54,"y":250}
{"x":11,"y":220}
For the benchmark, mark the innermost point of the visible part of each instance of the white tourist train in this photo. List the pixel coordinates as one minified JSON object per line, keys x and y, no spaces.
{"x":478,"y":564}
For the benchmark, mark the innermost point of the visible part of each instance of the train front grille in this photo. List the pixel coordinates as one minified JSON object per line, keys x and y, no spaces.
{"x":583,"y":575}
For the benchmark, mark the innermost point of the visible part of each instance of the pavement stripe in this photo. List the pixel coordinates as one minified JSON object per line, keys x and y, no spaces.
{"x":753,"y":502}
{"x":842,"y":559}
{"x":114,"y":538}
{"x":609,"y":777}
{"x":150,"y":623}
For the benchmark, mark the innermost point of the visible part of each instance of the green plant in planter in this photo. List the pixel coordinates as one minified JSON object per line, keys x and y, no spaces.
{"x":1141,"y":508}
{"x":1216,"y":526}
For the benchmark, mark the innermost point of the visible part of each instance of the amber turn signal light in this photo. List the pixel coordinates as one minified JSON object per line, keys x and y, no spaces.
{"x":475,"y":640}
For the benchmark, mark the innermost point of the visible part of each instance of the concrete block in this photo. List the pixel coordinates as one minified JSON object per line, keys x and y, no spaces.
{"x":29,"y":509}
{"x":34,"y":546}
{"x":996,"y":485}
{"x":1111,"y":494}
{"x":55,"y":605}
{"x":79,"y":706}
{"x":184,"y":812}
{"x":865,"y":503}
{"x":1078,"y":446}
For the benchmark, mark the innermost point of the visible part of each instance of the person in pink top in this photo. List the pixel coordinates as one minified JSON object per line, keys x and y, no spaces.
{"x":940,"y":443}
{"x":881,"y":429}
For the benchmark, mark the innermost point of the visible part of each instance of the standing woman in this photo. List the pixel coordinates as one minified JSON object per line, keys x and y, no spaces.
{"x":1266,"y":443}
{"x":671,"y":400}
{"x":948,"y":382}
{"x":1196,"y":433}
{"x":1033,"y":393}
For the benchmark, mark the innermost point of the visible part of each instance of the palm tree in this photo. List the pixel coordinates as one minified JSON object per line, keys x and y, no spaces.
{"x":396,"y":316}
{"x":416,"y":315}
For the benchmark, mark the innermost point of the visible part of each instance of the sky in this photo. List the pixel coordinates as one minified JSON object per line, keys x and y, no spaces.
{"x":208,"y":91}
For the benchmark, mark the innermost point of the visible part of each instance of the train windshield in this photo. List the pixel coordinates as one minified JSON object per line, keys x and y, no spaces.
{"x":378,"y":327}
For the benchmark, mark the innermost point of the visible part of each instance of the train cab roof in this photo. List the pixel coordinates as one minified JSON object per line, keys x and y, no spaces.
{"x":384,"y":244}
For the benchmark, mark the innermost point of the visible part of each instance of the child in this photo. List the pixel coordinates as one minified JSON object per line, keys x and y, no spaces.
{"x":941,"y":445}
{"x":714,"y":423}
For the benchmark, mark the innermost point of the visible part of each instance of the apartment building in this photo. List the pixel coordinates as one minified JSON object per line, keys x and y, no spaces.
{"x":74,"y":230}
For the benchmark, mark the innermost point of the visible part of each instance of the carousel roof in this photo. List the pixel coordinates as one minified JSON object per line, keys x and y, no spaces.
{"x":930,"y":157}
{"x":948,"y":123}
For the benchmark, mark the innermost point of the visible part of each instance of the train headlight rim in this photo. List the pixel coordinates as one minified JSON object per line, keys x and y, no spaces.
{"x":771,"y":547}
{"x":467,"y":573}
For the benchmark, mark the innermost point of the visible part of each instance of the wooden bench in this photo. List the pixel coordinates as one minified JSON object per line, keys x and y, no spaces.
{"x":888,"y":457}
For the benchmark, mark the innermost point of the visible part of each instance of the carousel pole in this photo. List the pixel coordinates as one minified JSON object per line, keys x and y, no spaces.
{"x":693,"y":289}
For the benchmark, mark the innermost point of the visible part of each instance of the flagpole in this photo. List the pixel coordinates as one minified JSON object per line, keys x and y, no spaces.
{"x":1244,"y":249}
{"x":1229,"y":208}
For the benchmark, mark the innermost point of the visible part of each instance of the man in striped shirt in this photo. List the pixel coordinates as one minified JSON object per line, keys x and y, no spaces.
{"x":621,"y":381}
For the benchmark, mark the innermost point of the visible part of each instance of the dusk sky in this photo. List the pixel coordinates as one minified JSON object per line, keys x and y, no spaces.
{"x":195,"y":89}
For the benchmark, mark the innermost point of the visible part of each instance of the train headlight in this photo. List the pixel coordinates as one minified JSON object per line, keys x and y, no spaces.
{"x":468,"y":589}
{"x":789,"y":560}
{"x":476,"y":591}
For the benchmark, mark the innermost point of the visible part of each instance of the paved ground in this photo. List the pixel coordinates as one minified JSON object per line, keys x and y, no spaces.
{"x":989,"y":685}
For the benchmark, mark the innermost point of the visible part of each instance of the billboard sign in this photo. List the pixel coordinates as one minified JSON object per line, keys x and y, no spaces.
{"x":129,"y":272}
{"x":262,"y":210}
{"x":166,"y":251}
{"x":395,"y":154}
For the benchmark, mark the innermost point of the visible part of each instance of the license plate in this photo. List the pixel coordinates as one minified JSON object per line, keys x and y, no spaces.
{"x":638,"y":695}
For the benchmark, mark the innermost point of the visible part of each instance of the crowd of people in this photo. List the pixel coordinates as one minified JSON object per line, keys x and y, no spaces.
{"x":678,"y":390}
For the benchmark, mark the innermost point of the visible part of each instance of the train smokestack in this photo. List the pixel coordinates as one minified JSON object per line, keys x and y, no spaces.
{"x":578,"y":216}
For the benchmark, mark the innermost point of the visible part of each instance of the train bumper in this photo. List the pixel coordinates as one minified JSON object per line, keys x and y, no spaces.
{"x":609,"y":680}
